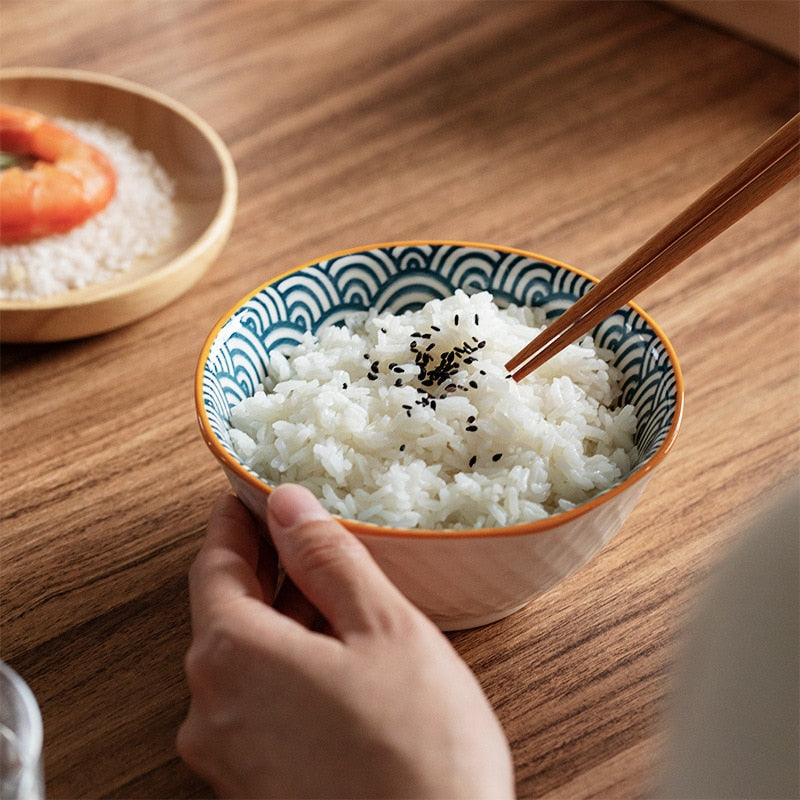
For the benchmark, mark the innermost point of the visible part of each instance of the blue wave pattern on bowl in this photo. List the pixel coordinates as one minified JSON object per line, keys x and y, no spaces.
{"x":405,"y":277}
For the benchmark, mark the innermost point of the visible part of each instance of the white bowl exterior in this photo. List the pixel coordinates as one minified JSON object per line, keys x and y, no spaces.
{"x":466,"y":581}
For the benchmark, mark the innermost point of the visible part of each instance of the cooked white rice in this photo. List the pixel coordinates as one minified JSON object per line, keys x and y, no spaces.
{"x":368,"y":418}
{"x":136,"y":222}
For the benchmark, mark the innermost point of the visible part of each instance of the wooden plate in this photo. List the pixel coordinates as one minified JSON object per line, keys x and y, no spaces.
{"x":187,"y":148}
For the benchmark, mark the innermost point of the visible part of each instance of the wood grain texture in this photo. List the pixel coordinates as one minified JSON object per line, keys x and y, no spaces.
{"x":572,"y":129}
{"x":772,"y":165}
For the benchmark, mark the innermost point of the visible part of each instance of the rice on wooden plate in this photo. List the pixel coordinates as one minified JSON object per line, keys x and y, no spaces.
{"x":412,"y":421}
{"x":136,"y":222}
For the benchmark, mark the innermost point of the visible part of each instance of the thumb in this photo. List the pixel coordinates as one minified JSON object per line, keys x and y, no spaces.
{"x":329,"y":565}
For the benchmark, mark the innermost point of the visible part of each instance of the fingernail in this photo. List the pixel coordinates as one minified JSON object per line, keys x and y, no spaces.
{"x":292,"y":505}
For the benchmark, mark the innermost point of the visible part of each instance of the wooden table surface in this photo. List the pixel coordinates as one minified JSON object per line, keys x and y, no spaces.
{"x":574,"y":129}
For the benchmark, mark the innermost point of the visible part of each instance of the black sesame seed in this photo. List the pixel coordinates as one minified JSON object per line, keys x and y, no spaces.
{"x":344,"y":386}
{"x":471,"y":428}
{"x":402,"y":447}
{"x":473,"y":461}
{"x":398,"y":382}
{"x":456,"y":319}
{"x":435,"y":328}
{"x":477,"y":321}
{"x":481,"y":345}
{"x":497,"y":456}
{"x":430,"y":346}
{"x":372,"y":376}
{"x":406,"y":405}
{"x":374,"y":366}
{"x":473,"y":384}
{"x":471,"y":419}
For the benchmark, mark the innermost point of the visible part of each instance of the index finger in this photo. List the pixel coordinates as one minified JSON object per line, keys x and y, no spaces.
{"x":226,"y":568}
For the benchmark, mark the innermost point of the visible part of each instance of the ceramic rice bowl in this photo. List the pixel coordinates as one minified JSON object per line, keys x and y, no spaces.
{"x":460,"y":578}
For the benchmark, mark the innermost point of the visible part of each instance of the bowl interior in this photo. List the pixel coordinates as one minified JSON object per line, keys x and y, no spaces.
{"x":403,"y":276}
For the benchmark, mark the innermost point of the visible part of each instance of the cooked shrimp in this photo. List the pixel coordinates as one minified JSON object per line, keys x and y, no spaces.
{"x":67,"y":182}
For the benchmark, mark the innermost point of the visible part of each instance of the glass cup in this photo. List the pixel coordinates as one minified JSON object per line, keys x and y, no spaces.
{"x":21,"y":774}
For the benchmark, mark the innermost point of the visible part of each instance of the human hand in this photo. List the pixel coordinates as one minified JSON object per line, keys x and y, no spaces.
{"x":372,"y":703}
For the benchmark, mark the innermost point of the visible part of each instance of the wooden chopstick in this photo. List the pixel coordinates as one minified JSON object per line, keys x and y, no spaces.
{"x":768,"y":168}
